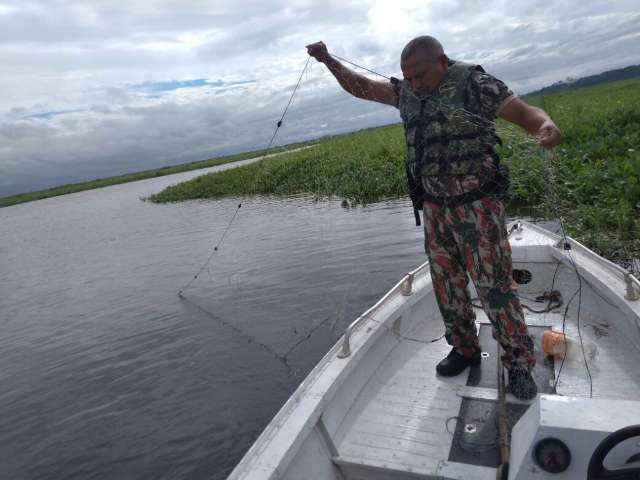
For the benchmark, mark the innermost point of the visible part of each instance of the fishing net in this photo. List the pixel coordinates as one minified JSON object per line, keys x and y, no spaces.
{"x":588,"y":185}
{"x":573,"y":190}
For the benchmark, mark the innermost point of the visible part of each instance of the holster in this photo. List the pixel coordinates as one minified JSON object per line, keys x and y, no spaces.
{"x":416,"y":193}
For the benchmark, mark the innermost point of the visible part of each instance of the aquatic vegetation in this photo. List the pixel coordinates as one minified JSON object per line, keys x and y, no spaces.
{"x":596,"y":169}
{"x":363,"y":167}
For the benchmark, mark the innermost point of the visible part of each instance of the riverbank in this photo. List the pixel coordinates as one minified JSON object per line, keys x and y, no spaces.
{"x":591,"y":180}
{"x":133,"y":177}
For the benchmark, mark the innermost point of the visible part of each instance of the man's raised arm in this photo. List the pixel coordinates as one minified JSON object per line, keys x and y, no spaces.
{"x":354,"y":83}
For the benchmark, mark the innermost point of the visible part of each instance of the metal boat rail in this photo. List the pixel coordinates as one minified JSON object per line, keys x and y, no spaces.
{"x":403,"y":287}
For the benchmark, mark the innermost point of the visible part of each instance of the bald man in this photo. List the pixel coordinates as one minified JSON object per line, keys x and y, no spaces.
{"x":448,"y":109}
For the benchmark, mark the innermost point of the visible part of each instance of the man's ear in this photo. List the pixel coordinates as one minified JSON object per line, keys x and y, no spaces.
{"x":444,"y":61}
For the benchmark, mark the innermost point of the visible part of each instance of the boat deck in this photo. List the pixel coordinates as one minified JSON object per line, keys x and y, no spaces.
{"x":404,"y":419}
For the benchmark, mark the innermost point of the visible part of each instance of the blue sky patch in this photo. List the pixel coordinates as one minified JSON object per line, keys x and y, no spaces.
{"x":50,"y":114}
{"x":162,"y":87}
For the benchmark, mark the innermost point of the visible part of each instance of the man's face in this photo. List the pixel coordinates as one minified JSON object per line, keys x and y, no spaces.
{"x":423,"y":75}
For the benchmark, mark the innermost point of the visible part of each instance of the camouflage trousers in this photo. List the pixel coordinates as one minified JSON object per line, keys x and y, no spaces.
{"x":473,"y":238}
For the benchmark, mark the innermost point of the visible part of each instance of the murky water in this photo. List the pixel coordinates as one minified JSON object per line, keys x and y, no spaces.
{"x":106,"y":373}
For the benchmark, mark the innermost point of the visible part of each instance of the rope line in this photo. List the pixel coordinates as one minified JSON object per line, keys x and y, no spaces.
{"x":306,"y":337}
{"x":215,"y":249}
{"x":281,"y":358}
{"x":402,"y":336}
{"x":551,"y":162}
{"x":359,"y":66}
{"x":279,"y":124}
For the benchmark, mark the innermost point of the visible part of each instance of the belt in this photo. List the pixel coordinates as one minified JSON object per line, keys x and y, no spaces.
{"x":488,"y":188}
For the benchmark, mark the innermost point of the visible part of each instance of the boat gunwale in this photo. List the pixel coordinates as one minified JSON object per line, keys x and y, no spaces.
{"x":585,"y":250}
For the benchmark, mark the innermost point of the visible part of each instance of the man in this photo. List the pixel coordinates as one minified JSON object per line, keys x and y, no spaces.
{"x":448,"y":109}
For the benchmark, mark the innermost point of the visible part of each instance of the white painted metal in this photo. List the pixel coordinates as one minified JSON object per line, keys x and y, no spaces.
{"x":578,"y":422}
{"x":399,"y":421}
{"x":374,"y":408}
{"x":404,"y":286}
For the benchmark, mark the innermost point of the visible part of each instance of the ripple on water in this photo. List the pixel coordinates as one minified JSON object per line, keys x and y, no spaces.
{"x":107,"y":373}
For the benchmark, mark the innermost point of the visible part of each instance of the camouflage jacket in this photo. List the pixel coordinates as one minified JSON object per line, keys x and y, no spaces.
{"x":450,"y":134}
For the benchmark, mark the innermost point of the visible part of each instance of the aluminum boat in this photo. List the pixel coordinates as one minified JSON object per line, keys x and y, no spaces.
{"x":374,"y":408}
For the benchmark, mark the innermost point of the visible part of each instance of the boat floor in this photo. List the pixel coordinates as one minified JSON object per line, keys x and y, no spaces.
{"x":404,"y":419}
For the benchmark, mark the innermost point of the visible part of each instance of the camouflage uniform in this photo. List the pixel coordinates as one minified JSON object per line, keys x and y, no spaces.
{"x":451,"y":168}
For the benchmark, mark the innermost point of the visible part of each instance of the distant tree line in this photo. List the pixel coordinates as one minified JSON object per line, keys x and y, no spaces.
{"x":608,"y":76}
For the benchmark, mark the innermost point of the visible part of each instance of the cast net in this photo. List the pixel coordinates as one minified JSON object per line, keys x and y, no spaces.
{"x":586,"y":188}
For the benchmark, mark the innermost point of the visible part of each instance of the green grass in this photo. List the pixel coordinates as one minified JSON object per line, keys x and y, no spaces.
{"x":132,"y":177}
{"x":363,"y":166}
{"x":596,"y":169}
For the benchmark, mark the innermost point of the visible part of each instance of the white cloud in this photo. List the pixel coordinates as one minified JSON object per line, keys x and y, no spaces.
{"x":78,"y":67}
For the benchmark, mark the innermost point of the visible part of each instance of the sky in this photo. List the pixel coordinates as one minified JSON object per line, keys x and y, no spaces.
{"x":97,"y":88}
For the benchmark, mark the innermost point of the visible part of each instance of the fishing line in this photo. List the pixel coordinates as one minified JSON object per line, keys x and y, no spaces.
{"x":402,"y":336}
{"x":473,"y":118}
{"x":283,"y":358}
{"x":279,"y":124}
{"x":215,"y":249}
{"x":551,"y":161}
{"x":359,"y":66}
{"x":479,"y":120}
{"x":553,"y":303}
{"x":306,"y":337}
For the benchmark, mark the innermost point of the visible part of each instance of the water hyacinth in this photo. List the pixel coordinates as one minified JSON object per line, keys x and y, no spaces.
{"x":596,"y":168}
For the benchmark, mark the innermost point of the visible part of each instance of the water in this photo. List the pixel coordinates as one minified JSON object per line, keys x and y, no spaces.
{"x":107,"y":373}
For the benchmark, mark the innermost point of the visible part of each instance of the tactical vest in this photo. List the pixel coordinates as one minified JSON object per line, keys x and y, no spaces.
{"x":442,"y":137}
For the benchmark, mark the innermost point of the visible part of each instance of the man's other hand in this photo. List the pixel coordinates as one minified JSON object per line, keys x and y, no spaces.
{"x":318,"y":51}
{"x":549,"y":135}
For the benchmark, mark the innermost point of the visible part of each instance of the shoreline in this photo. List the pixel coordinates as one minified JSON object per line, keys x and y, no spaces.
{"x":19,"y":198}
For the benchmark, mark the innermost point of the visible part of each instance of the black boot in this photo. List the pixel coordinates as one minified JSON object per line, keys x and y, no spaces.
{"x":521,"y":384}
{"x":455,"y":363}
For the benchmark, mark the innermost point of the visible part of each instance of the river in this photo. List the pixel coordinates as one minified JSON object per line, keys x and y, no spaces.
{"x":107,"y":373}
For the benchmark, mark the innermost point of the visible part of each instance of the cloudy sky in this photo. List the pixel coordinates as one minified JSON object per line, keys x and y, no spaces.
{"x":97,"y":88}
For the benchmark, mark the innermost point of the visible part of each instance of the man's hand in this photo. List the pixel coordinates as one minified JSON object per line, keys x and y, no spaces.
{"x":354,"y":83}
{"x":318,"y":51}
{"x":549,"y":134}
